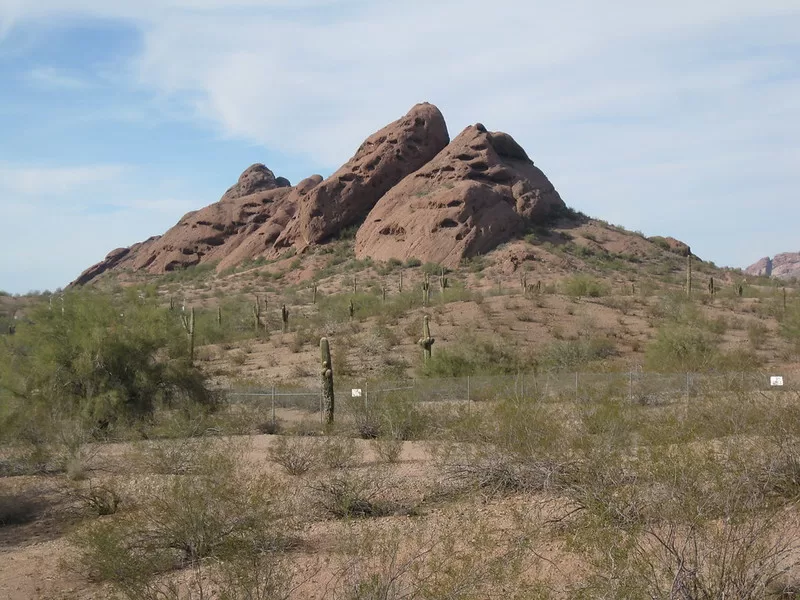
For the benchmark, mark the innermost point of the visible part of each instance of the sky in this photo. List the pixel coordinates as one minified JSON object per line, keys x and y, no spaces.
{"x":673,"y":118}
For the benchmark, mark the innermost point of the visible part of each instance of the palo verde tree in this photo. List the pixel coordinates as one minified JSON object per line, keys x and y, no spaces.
{"x":100,"y":359}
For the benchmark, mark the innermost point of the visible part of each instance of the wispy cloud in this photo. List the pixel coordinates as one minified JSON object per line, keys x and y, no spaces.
{"x":51,"y":77}
{"x":37,"y":181}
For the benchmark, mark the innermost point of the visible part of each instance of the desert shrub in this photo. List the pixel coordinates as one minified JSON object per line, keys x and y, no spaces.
{"x":100,"y":358}
{"x":571,"y":355}
{"x":351,"y":494}
{"x":226,"y":511}
{"x":297,"y":455}
{"x":580,"y":286}
{"x":340,"y":452}
{"x":681,"y":348}
{"x":101,"y":500}
{"x":473,"y":355}
{"x":388,"y":449}
{"x":173,"y":457}
{"x":473,"y":560}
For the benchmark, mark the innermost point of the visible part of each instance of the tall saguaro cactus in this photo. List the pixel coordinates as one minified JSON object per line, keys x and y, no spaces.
{"x":188,"y":325}
{"x":400,"y":288}
{"x":426,"y":290}
{"x":314,"y":293}
{"x":351,"y":309}
{"x":711,"y":289}
{"x":442,"y":281}
{"x":355,"y":285}
{"x":257,"y":316}
{"x":327,"y":379}
{"x":427,"y":341}
{"x":284,"y":319}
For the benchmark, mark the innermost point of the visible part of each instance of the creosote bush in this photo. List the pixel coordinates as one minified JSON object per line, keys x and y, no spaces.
{"x":225,"y":510}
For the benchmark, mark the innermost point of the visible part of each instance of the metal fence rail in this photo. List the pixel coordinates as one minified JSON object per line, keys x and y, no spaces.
{"x":635,"y":386}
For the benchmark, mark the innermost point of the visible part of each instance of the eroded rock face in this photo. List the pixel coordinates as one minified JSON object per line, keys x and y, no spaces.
{"x":382,"y":161}
{"x":479,"y":192}
{"x":783,"y":266}
{"x":209,"y":234}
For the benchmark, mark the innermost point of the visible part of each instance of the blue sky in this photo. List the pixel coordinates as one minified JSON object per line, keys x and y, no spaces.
{"x":116,"y":118}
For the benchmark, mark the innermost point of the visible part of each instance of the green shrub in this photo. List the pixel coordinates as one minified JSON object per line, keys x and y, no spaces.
{"x":100,"y":359}
{"x":681,"y":348}
{"x":579,"y":286}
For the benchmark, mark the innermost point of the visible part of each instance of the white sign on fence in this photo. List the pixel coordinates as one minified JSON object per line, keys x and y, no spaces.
{"x":356,"y":392}
{"x":776,"y":380}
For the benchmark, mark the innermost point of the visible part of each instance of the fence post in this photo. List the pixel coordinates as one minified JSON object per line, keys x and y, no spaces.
{"x":273,"y":406}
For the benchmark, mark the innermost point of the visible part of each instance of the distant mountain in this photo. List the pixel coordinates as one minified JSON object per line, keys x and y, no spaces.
{"x":782,"y":266}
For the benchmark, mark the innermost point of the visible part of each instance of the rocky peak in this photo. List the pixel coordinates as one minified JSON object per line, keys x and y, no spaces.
{"x":783,"y":266}
{"x":255,"y":178}
{"x":479,"y":192}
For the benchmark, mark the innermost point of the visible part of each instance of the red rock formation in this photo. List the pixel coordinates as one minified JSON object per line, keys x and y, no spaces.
{"x":479,"y":192}
{"x":209,"y":234}
{"x":783,"y":266}
{"x":385,"y":158}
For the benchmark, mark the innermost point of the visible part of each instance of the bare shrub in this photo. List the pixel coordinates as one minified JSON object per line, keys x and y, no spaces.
{"x":224,"y":510}
{"x":405,"y":562}
{"x":388,"y":449}
{"x":297,"y":455}
{"x":340,"y":452}
{"x":351,"y":494}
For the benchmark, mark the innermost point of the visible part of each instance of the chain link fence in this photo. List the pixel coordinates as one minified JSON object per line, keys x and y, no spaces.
{"x":634,"y":386}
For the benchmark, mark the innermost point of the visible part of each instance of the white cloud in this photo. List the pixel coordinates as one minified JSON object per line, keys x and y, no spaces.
{"x":33,"y":181}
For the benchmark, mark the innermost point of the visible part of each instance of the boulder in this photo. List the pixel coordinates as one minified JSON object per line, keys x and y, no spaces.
{"x":482,"y":190}
{"x":382,"y":161}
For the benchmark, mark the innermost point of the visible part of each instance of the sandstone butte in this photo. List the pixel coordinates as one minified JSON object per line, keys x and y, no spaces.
{"x":413,"y":192}
{"x":782,"y":266}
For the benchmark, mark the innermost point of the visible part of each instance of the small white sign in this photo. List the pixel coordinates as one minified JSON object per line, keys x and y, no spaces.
{"x":356,"y":392}
{"x":776,"y":380}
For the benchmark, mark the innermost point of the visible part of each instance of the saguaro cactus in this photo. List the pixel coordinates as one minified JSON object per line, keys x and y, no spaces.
{"x":257,"y":316}
{"x":689,"y":273}
{"x":188,"y":325}
{"x":314,"y":293}
{"x":711,"y":289}
{"x":442,"y":281}
{"x":351,"y":309}
{"x":523,"y":282}
{"x":327,"y":380}
{"x":284,"y":319}
{"x":219,"y":316}
{"x":355,"y":285}
{"x":426,"y":290}
{"x":383,"y":292}
{"x":400,"y":287}
{"x":427,"y":341}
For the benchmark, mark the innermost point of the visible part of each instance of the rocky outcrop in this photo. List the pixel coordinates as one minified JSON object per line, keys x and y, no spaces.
{"x":479,"y":192}
{"x":783,"y":266}
{"x":382,"y":161}
{"x":416,"y":194}
{"x":209,"y":234}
